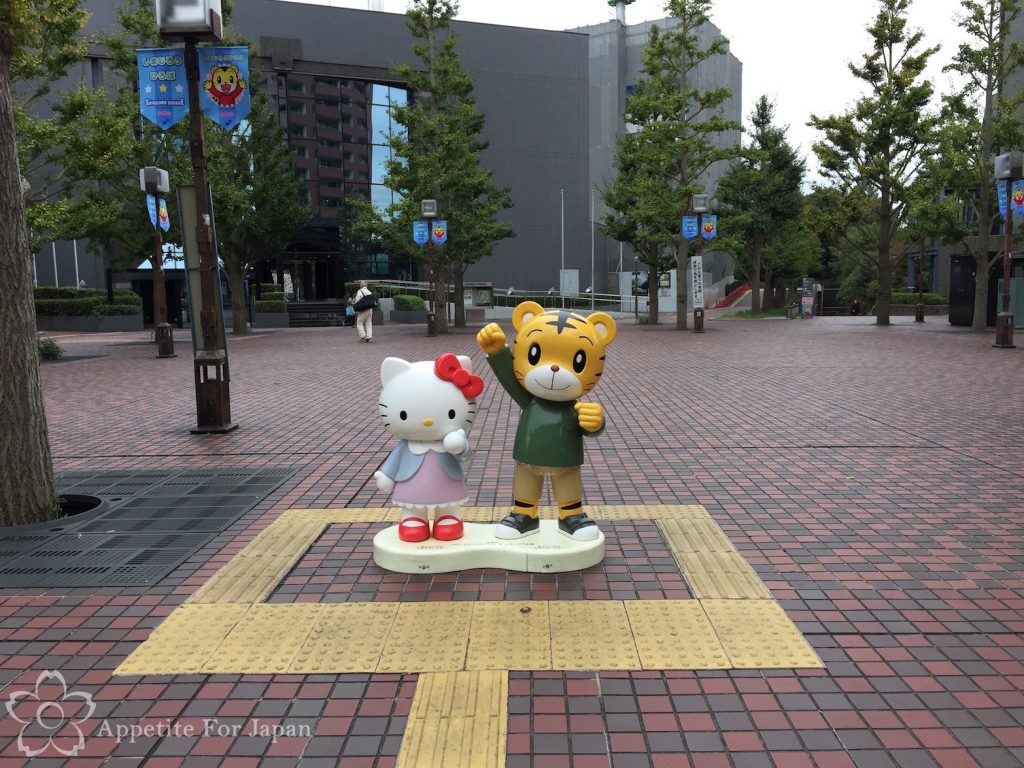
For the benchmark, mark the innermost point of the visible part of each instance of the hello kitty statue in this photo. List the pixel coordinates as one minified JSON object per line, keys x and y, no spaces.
{"x":429,"y":406}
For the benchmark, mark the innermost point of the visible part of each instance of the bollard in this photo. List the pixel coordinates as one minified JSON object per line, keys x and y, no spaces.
{"x":698,"y":321}
{"x":431,"y":318}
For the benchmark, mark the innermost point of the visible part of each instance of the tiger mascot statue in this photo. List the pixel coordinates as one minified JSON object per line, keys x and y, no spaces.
{"x":557,"y":357}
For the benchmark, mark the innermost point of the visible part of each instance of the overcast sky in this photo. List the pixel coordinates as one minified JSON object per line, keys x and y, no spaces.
{"x":794,"y":51}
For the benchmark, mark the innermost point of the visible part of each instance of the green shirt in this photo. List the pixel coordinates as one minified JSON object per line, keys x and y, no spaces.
{"x":549,"y":432}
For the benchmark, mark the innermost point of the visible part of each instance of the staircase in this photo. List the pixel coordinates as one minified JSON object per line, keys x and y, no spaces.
{"x":310,"y":314}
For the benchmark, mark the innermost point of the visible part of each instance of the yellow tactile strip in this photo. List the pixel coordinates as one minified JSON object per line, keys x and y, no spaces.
{"x":224,"y":627}
{"x":457,"y":720}
{"x":452,"y":637}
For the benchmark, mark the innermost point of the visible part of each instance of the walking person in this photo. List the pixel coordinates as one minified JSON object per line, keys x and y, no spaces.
{"x":364,"y":317}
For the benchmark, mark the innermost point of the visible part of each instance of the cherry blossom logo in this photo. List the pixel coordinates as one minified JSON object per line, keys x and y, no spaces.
{"x":50,"y":712}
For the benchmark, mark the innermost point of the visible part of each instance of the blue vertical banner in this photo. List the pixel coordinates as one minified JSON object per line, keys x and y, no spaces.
{"x":161,"y":214}
{"x":439,"y":234}
{"x":1017,"y":197}
{"x":1001,"y":195}
{"x":709,"y":226}
{"x":151,"y":205}
{"x":420,"y":232}
{"x":163,"y":88}
{"x":224,"y":79}
{"x":689,"y":227}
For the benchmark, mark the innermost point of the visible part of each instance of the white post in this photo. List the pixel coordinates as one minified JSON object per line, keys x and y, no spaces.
{"x":56,"y":280}
{"x":561,"y":274}
{"x":78,"y":282}
{"x":593,"y":285}
{"x":35,"y":271}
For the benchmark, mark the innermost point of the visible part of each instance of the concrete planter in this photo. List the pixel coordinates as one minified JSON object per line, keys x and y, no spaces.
{"x":910,"y":310}
{"x":407,"y":316}
{"x":89,"y":324}
{"x":270,"y":320}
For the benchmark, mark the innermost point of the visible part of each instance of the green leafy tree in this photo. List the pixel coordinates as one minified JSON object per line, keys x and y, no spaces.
{"x":257,"y":196}
{"x":762,"y":193}
{"x":438,"y":157}
{"x":981,"y":120}
{"x":679,"y":128}
{"x":881,"y":144}
{"x":638,"y":209}
{"x":38,"y":41}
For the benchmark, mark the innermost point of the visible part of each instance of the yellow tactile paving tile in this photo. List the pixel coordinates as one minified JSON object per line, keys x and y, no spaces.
{"x":284,"y":537}
{"x":591,"y":634}
{"x":184,"y":640}
{"x":695,"y":535}
{"x":457,"y":720}
{"x":245,"y":580}
{"x":757,"y":634}
{"x":675,"y":634}
{"x":266,"y":640}
{"x":725,"y":575}
{"x":509,"y":635}
{"x":346,"y":639}
{"x":427,"y":637}
{"x":485,"y":514}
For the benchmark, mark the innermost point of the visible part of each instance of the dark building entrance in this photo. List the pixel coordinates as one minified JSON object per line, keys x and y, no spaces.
{"x":962,"y":273}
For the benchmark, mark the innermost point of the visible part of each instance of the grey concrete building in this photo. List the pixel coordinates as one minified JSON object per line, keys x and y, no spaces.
{"x":553,"y":103}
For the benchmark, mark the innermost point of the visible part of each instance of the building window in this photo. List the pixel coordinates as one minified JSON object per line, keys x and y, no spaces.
{"x":296,"y":86}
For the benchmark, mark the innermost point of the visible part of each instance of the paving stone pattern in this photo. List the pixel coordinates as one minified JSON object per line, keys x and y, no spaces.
{"x":871,"y":476}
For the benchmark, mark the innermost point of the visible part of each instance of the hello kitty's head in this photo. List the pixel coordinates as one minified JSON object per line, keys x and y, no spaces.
{"x":425,"y":400}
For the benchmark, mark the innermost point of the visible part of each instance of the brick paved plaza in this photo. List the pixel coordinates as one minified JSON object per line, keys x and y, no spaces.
{"x":872,"y":478}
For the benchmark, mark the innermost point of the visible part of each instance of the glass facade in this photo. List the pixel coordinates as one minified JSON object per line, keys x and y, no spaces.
{"x":339,"y":130}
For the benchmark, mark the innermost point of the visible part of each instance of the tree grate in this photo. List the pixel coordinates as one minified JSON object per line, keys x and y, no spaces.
{"x":157,"y":520}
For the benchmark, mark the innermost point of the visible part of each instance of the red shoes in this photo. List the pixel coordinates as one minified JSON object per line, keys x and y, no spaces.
{"x":448,"y":531}
{"x":414,"y":529}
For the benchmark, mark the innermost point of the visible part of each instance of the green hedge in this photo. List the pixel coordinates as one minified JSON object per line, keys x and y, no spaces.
{"x":408,"y":303}
{"x":84,"y":308}
{"x":96,"y":295}
{"x":271,"y":305}
{"x":911,"y":298}
{"x":266,"y":288}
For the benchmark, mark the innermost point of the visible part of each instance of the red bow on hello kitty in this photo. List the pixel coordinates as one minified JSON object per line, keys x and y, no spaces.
{"x":448,"y":368}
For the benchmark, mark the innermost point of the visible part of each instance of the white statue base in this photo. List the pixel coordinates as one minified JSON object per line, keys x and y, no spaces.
{"x":547,"y":551}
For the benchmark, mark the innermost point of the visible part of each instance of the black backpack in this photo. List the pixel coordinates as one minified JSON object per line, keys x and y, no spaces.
{"x":369,"y":301}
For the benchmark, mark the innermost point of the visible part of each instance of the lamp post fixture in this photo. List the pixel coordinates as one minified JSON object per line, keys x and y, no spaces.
{"x":428,"y":210}
{"x":636,"y":289}
{"x":700,"y":207}
{"x":1008,"y":167}
{"x":154,"y":182}
{"x":192,"y":21}
{"x":919,"y":313}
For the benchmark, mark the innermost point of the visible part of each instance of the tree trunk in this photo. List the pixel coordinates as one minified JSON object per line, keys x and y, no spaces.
{"x":769,"y":295}
{"x":459,"y":281}
{"x":883,"y":297}
{"x":652,"y":295}
{"x":239,"y":315}
{"x":27,"y":491}
{"x":440,"y":279}
{"x":755,"y":277}
{"x":682,"y":283}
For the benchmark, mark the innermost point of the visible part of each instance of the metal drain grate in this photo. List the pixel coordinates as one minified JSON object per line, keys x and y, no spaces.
{"x":164,"y":518}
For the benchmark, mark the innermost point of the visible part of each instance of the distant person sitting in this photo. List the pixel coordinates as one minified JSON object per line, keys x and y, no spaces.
{"x":855,"y":307}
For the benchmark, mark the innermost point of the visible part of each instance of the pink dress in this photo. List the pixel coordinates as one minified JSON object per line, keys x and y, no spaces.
{"x":430,"y":486}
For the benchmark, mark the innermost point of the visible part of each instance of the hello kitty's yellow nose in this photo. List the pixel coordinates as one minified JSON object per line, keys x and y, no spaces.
{"x":428,"y":422}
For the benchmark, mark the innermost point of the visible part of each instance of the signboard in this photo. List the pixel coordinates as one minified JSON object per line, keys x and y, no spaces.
{"x":439,"y":234}
{"x":1001,"y":194}
{"x":151,"y":205}
{"x":161,"y":214}
{"x":420,"y":232}
{"x":806,"y":306}
{"x":689,"y":227}
{"x":1017,"y":197}
{"x":163,"y":88}
{"x":709,"y":226}
{"x":224,"y":79}
{"x":697,"y":282}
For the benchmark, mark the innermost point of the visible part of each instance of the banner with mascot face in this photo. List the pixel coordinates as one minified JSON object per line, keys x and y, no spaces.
{"x":224,"y":84}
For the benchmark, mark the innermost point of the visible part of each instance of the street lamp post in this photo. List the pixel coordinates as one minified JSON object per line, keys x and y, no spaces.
{"x":700,"y":207}
{"x":428,"y":210}
{"x":919,"y":314}
{"x":561,"y":274}
{"x":154,"y":182}
{"x":192,"y":21}
{"x":636,"y":289}
{"x":1009,"y":166}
